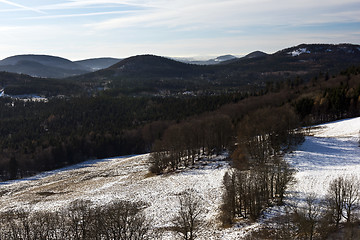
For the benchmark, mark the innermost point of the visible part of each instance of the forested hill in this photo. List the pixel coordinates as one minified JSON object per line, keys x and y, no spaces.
{"x":18,"y":84}
{"x":40,"y":136}
{"x":147,"y":73}
{"x":153,"y":74}
{"x":42,"y":66}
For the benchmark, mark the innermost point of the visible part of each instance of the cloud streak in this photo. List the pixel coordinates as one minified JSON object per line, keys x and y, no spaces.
{"x":231,"y":14}
{"x":76,"y":28}
{"x":78,"y":15}
{"x":21,"y":6}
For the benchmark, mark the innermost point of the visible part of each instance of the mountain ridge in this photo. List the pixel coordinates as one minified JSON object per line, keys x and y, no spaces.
{"x":151,"y":74}
{"x":44,"y":66}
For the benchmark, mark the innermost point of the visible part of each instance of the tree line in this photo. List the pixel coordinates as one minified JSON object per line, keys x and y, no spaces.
{"x":184,"y":143}
{"x":260,"y":175}
{"x":116,"y":220}
{"x":79,"y":221}
{"x":38,"y":136}
{"x":333,"y":217}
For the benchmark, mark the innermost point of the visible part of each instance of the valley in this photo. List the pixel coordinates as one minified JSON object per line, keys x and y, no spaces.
{"x":182,"y":129}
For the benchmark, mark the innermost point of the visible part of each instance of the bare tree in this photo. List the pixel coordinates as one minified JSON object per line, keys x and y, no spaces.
{"x":80,"y":219}
{"x":307,"y":218}
{"x":125,"y":220}
{"x":351,"y":198}
{"x":336,"y":196}
{"x":187,"y":222}
{"x":228,"y":206}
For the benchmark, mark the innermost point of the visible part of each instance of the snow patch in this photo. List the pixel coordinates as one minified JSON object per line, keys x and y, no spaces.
{"x":298,"y":52}
{"x":347,"y":128}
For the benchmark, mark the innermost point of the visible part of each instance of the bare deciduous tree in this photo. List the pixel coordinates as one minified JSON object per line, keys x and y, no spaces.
{"x":125,"y":220}
{"x":307,"y":217}
{"x":118,"y":220}
{"x":335,"y":199}
{"x":351,"y":199}
{"x":187,"y":222}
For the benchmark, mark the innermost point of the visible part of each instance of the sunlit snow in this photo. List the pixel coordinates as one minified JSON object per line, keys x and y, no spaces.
{"x":298,"y":52}
{"x":331,"y":150}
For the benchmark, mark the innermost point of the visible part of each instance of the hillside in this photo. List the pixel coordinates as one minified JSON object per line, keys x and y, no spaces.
{"x":42,"y":66}
{"x":321,"y":158}
{"x":20,"y":84}
{"x":303,"y":61}
{"x":155,"y":74}
{"x":331,"y":150}
{"x":147,"y":73}
{"x":67,"y":131}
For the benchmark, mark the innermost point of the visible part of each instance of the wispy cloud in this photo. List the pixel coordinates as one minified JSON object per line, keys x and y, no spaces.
{"x":76,"y":28}
{"x":230,"y":14}
{"x":78,"y":15}
{"x":21,"y":6}
{"x":77,"y":4}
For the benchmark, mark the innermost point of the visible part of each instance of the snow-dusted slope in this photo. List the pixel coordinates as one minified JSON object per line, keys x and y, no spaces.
{"x":348,"y":128}
{"x":124,"y":178}
{"x":332,"y":150}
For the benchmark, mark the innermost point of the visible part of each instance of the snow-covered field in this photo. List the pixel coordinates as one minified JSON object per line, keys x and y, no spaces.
{"x":122,"y":178}
{"x":333,"y":150}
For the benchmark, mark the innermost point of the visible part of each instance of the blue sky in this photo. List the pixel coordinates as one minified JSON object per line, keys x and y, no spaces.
{"x":78,"y":29}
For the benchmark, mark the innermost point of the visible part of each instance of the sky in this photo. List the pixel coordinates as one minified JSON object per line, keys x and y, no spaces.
{"x":80,"y":29}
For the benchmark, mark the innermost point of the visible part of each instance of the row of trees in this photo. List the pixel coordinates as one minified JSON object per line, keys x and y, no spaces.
{"x":117,"y":220}
{"x":260,"y":175}
{"x":316,"y":218}
{"x":182,"y":144}
{"x":80,"y":221}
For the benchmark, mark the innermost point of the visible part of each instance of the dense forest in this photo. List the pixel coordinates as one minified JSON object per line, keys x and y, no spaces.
{"x":38,"y":136}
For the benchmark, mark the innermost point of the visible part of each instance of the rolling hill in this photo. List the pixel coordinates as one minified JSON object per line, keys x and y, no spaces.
{"x":19,"y":84}
{"x":146,"y":73}
{"x":42,"y":66}
{"x":150,"y":74}
{"x":155,"y":74}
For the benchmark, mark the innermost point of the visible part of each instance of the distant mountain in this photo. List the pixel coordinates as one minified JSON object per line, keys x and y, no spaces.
{"x":302,"y":60}
{"x":96,"y":64}
{"x":255,"y":54}
{"x":212,"y":61}
{"x":153,"y":74}
{"x":149,"y":74}
{"x":42,"y":66}
{"x":144,"y":72}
